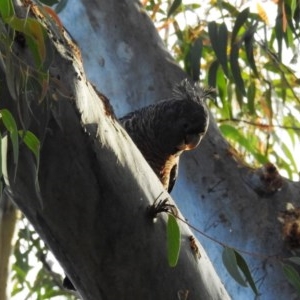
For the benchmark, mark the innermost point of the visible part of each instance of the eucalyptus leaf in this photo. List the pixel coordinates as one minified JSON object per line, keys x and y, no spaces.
{"x":173,"y":240}
{"x":235,"y":68}
{"x":193,"y":59}
{"x":31,"y":141}
{"x":212,"y":73}
{"x":239,"y":22}
{"x":292,"y":276}
{"x":251,"y":92}
{"x":173,"y":7}
{"x":218,"y":35}
{"x":230,"y":262}
{"x":6,"y":9}
{"x":245,"y":269}
{"x":249,"y":48}
{"x":295,"y":260}
{"x":11,"y":126}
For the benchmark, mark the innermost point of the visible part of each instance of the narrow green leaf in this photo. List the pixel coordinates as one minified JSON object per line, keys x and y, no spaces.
{"x":11,"y":126}
{"x":289,"y":155}
{"x":240,"y":21}
{"x":6,"y":9}
{"x":173,"y":240}
{"x":249,"y":43}
{"x":292,"y":276}
{"x":213,"y":32}
{"x":283,"y":95}
{"x":279,"y":35}
{"x":31,"y":141}
{"x":239,"y":97}
{"x":218,"y":35}
{"x":34,"y":34}
{"x":34,"y":145}
{"x":289,"y":37}
{"x":232,"y":133}
{"x":222,"y":92}
{"x":229,"y":131}
{"x":173,"y":8}
{"x":269,"y":108}
{"x":292,"y":134}
{"x":230,"y":262}
{"x":193,"y":59}
{"x":285,"y":165}
{"x":212,"y":74}
{"x":213,"y":36}
{"x":293,"y":7}
{"x":222,"y":47}
{"x":13,"y":77}
{"x":235,"y":68}
{"x":192,"y":6}
{"x":251,"y":98}
{"x":36,"y":41}
{"x":229,"y":7}
{"x":295,"y":260}
{"x":245,"y":269}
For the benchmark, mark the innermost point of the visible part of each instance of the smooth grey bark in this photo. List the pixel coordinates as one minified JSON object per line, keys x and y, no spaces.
{"x":94,"y":190}
{"x":126,"y":59}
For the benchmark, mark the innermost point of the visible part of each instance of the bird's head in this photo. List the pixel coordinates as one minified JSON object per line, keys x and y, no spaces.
{"x":184,"y":120}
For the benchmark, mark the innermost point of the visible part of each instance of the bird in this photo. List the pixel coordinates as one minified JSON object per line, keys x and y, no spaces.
{"x":164,"y":130}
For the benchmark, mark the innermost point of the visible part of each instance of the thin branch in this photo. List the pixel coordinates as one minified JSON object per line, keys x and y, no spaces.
{"x":261,"y":256}
{"x":264,"y":126}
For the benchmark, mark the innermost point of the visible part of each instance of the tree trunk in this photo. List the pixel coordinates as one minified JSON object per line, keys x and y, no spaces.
{"x":88,"y":198}
{"x":216,"y":192}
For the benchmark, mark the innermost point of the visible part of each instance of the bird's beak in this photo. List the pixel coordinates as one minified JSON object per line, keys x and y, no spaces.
{"x":191,"y":141}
